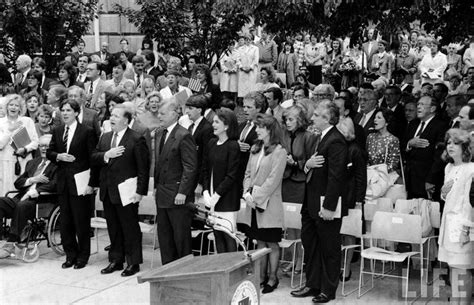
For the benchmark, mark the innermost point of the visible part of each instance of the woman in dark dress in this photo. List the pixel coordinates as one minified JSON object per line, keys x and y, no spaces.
{"x":220,"y":166}
{"x":262,"y":193}
{"x":356,"y":188}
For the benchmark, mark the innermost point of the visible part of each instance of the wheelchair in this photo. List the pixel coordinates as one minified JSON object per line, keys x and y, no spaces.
{"x":44,"y":226}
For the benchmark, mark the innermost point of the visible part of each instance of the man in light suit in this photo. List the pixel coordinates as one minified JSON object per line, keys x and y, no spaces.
{"x":87,"y":116}
{"x":121,"y":155}
{"x":175,"y":176}
{"x":320,"y":222}
{"x":39,"y":176}
{"x":23,"y":66}
{"x":371,"y":46}
{"x":94,"y":87}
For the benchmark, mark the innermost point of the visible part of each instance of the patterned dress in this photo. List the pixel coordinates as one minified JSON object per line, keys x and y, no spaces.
{"x":383,"y":149}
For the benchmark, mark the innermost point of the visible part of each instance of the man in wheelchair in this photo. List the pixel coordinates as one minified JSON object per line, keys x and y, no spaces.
{"x":39,"y":177}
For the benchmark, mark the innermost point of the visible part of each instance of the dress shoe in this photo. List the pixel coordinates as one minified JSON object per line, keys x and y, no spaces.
{"x":80,"y":265}
{"x":67,"y":264}
{"x":131,"y":270}
{"x":107,"y":248}
{"x":269,"y":288}
{"x":113,"y":266}
{"x":265,"y":280}
{"x":303,"y":292}
{"x":346,"y":278}
{"x":322,"y":298}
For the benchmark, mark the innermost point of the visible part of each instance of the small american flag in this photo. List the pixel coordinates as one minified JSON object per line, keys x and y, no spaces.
{"x":194,"y":84}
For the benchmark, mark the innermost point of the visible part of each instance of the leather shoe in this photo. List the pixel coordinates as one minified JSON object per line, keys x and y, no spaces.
{"x":303,"y":292}
{"x":67,"y":264}
{"x":107,"y":248}
{"x":131,"y":270}
{"x":322,"y":298}
{"x":80,"y":265}
{"x":345,"y":279}
{"x":113,"y":266}
{"x":265,"y":280}
{"x":269,"y":288}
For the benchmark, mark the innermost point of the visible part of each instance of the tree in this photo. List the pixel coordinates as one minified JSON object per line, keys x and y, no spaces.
{"x":205,"y":27}
{"x":48,"y":27}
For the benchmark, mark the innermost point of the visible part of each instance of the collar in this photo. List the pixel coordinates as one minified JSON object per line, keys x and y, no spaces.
{"x":170,"y":128}
{"x":325,"y":131}
{"x":207,"y":111}
{"x":121,"y":133}
{"x":73,"y":126}
{"x":428,"y":121}
{"x":94,"y":83}
{"x":131,"y":123}
{"x":196,"y":123}
{"x":394,"y":107}
{"x":369,"y":114}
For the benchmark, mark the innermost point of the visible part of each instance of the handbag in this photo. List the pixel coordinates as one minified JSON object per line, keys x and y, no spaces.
{"x":398,"y":191}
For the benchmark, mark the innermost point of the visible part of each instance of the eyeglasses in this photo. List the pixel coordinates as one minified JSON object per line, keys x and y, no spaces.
{"x":43,"y":146}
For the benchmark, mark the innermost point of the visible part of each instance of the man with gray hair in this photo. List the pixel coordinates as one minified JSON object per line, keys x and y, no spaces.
{"x":136,"y":124}
{"x":368,"y":104}
{"x":323,"y":91}
{"x":87,"y":116}
{"x":23,"y":66}
{"x":323,"y":209}
{"x":175,"y":181}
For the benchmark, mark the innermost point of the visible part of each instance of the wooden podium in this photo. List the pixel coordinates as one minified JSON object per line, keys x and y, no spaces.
{"x":227,"y":278}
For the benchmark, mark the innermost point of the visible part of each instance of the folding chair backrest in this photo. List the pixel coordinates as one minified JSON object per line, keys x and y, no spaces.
{"x":352,"y":223}
{"x":435,"y":215}
{"x":99,"y":206}
{"x":291,"y":215}
{"x":402,"y":206}
{"x":397,"y":227}
{"x":381,"y":204}
{"x":405,"y":207}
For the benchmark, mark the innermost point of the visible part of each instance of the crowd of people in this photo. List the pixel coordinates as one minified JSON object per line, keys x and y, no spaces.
{"x":298,"y":123}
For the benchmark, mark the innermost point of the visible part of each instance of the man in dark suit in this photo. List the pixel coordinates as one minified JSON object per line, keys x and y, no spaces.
{"x":81,"y":45}
{"x":137,"y":125}
{"x":175,"y":176}
{"x":149,"y":62}
{"x":454,"y":103}
{"x":368,"y":104}
{"x":254,"y":103}
{"x":322,"y":209}
{"x":425,"y":169}
{"x":121,"y":155}
{"x":124,"y":47}
{"x":39,"y":176}
{"x":70,"y":149}
{"x":40,"y":65}
{"x":106,"y":57}
{"x":200,"y":129}
{"x":139,"y":75}
{"x":440,"y":93}
{"x":87,"y":116}
{"x":393,"y":96}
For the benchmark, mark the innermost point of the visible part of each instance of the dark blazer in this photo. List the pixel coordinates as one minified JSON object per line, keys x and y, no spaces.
{"x":82,"y":146}
{"x":30,"y":169}
{"x":46,"y":83}
{"x":399,"y":123}
{"x":215,"y":95}
{"x":76,"y":55}
{"x":202,"y":135}
{"x":132,"y":163}
{"x":91,"y":118}
{"x":222,"y":161}
{"x":330,"y":179}
{"x":244,"y":156}
{"x":107,"y":63}
{"x":155,"y":72}
{"x":301,"y":149}
{"x":176,"y":167}
{"x":425,"y":164}
{"x":357,"y":175}
{"x":369,"y":126}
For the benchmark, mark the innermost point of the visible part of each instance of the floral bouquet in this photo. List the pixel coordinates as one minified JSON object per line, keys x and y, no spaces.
{"x":348,"y":65}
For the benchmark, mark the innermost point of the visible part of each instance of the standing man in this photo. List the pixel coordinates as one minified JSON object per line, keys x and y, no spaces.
{"x":368,"y":104}
{"x":200,"y":129}
{"x":82,"y":62}
{"x":94,"y":87}
{"x":87,"y":116}
{"x":370,"y":47}
{"x":39,"y":65}
{"x":105,"y":57}
{"x":275,"y":98}
{"x":175,"y":176}
{"x":149,"y":69}
{"x":138,"y":65}
{"x":81,"y":45}
{"x":424,"y":170}
{"x":393,"y":96}
{"x":124,"y":47}
{"x":319,"y":215}
{"x":122,"y":154}
{"x":267,"y":50}
{"x":23,"y":66}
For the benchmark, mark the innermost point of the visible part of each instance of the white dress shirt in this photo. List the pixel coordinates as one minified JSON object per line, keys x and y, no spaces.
{"x":196,"y":123}
{"x":70,"y":135}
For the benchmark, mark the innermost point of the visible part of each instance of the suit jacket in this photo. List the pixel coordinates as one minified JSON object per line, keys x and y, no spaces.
{"x":107,"y":62}
{"x":76,"y":55}
{"x":202,"y":135}
{"x":20,"y":83}
{"x":131,"y":164}
{"x":46,"y":83}
{"x":330,"y":180}
{"x":398,"y":125}
{"x":132,"y":77}
{"x":91,"y":118}
{"x":425,"y":164}
{"x":99,"y":89}
{"x":82,"y":146}
{"x":176,"y":167}
{"x":365,"y":47}
{"x":244,"y":156}
{"x":30,"y":169}
{"x":155,"y":72}
{"x":369,"y":127}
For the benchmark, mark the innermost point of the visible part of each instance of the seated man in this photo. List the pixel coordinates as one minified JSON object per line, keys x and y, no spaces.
{"x":39,"y":176}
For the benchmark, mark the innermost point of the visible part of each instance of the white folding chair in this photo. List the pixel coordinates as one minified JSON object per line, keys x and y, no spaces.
{"x":198,"y":232}
{"x":394,"y":227}
{"x":148,"y":207}
{"x":351,"y":225}
{"x":98,"y":222}
{"x":292,"y":220}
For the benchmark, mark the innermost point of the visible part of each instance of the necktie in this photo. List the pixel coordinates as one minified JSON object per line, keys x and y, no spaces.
{"x":91,"y":88}
{"x":114,"y":141}
{"x":362,"y":120}
{"x":245,"y":131}
{"x":421,"y":129}
{"x":191,"y":128}
{"x":163,"y":140}
{"x":65,"y":137}
{"x":138,"y":80}
{"x":40,"y":167}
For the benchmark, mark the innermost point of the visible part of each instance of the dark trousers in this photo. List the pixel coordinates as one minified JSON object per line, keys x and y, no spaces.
{"x":7,"y":206}
{"x":124,"y":232}
{"x":75,"y":226}
{"x":224,"y":243}
{"x":322,"y":246}
{"x":315,"y":74}
{"x":24,"y":211}
{"x":174,"y":233}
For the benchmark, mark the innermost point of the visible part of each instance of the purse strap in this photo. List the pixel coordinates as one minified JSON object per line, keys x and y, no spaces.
{"x":401,"y":168}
